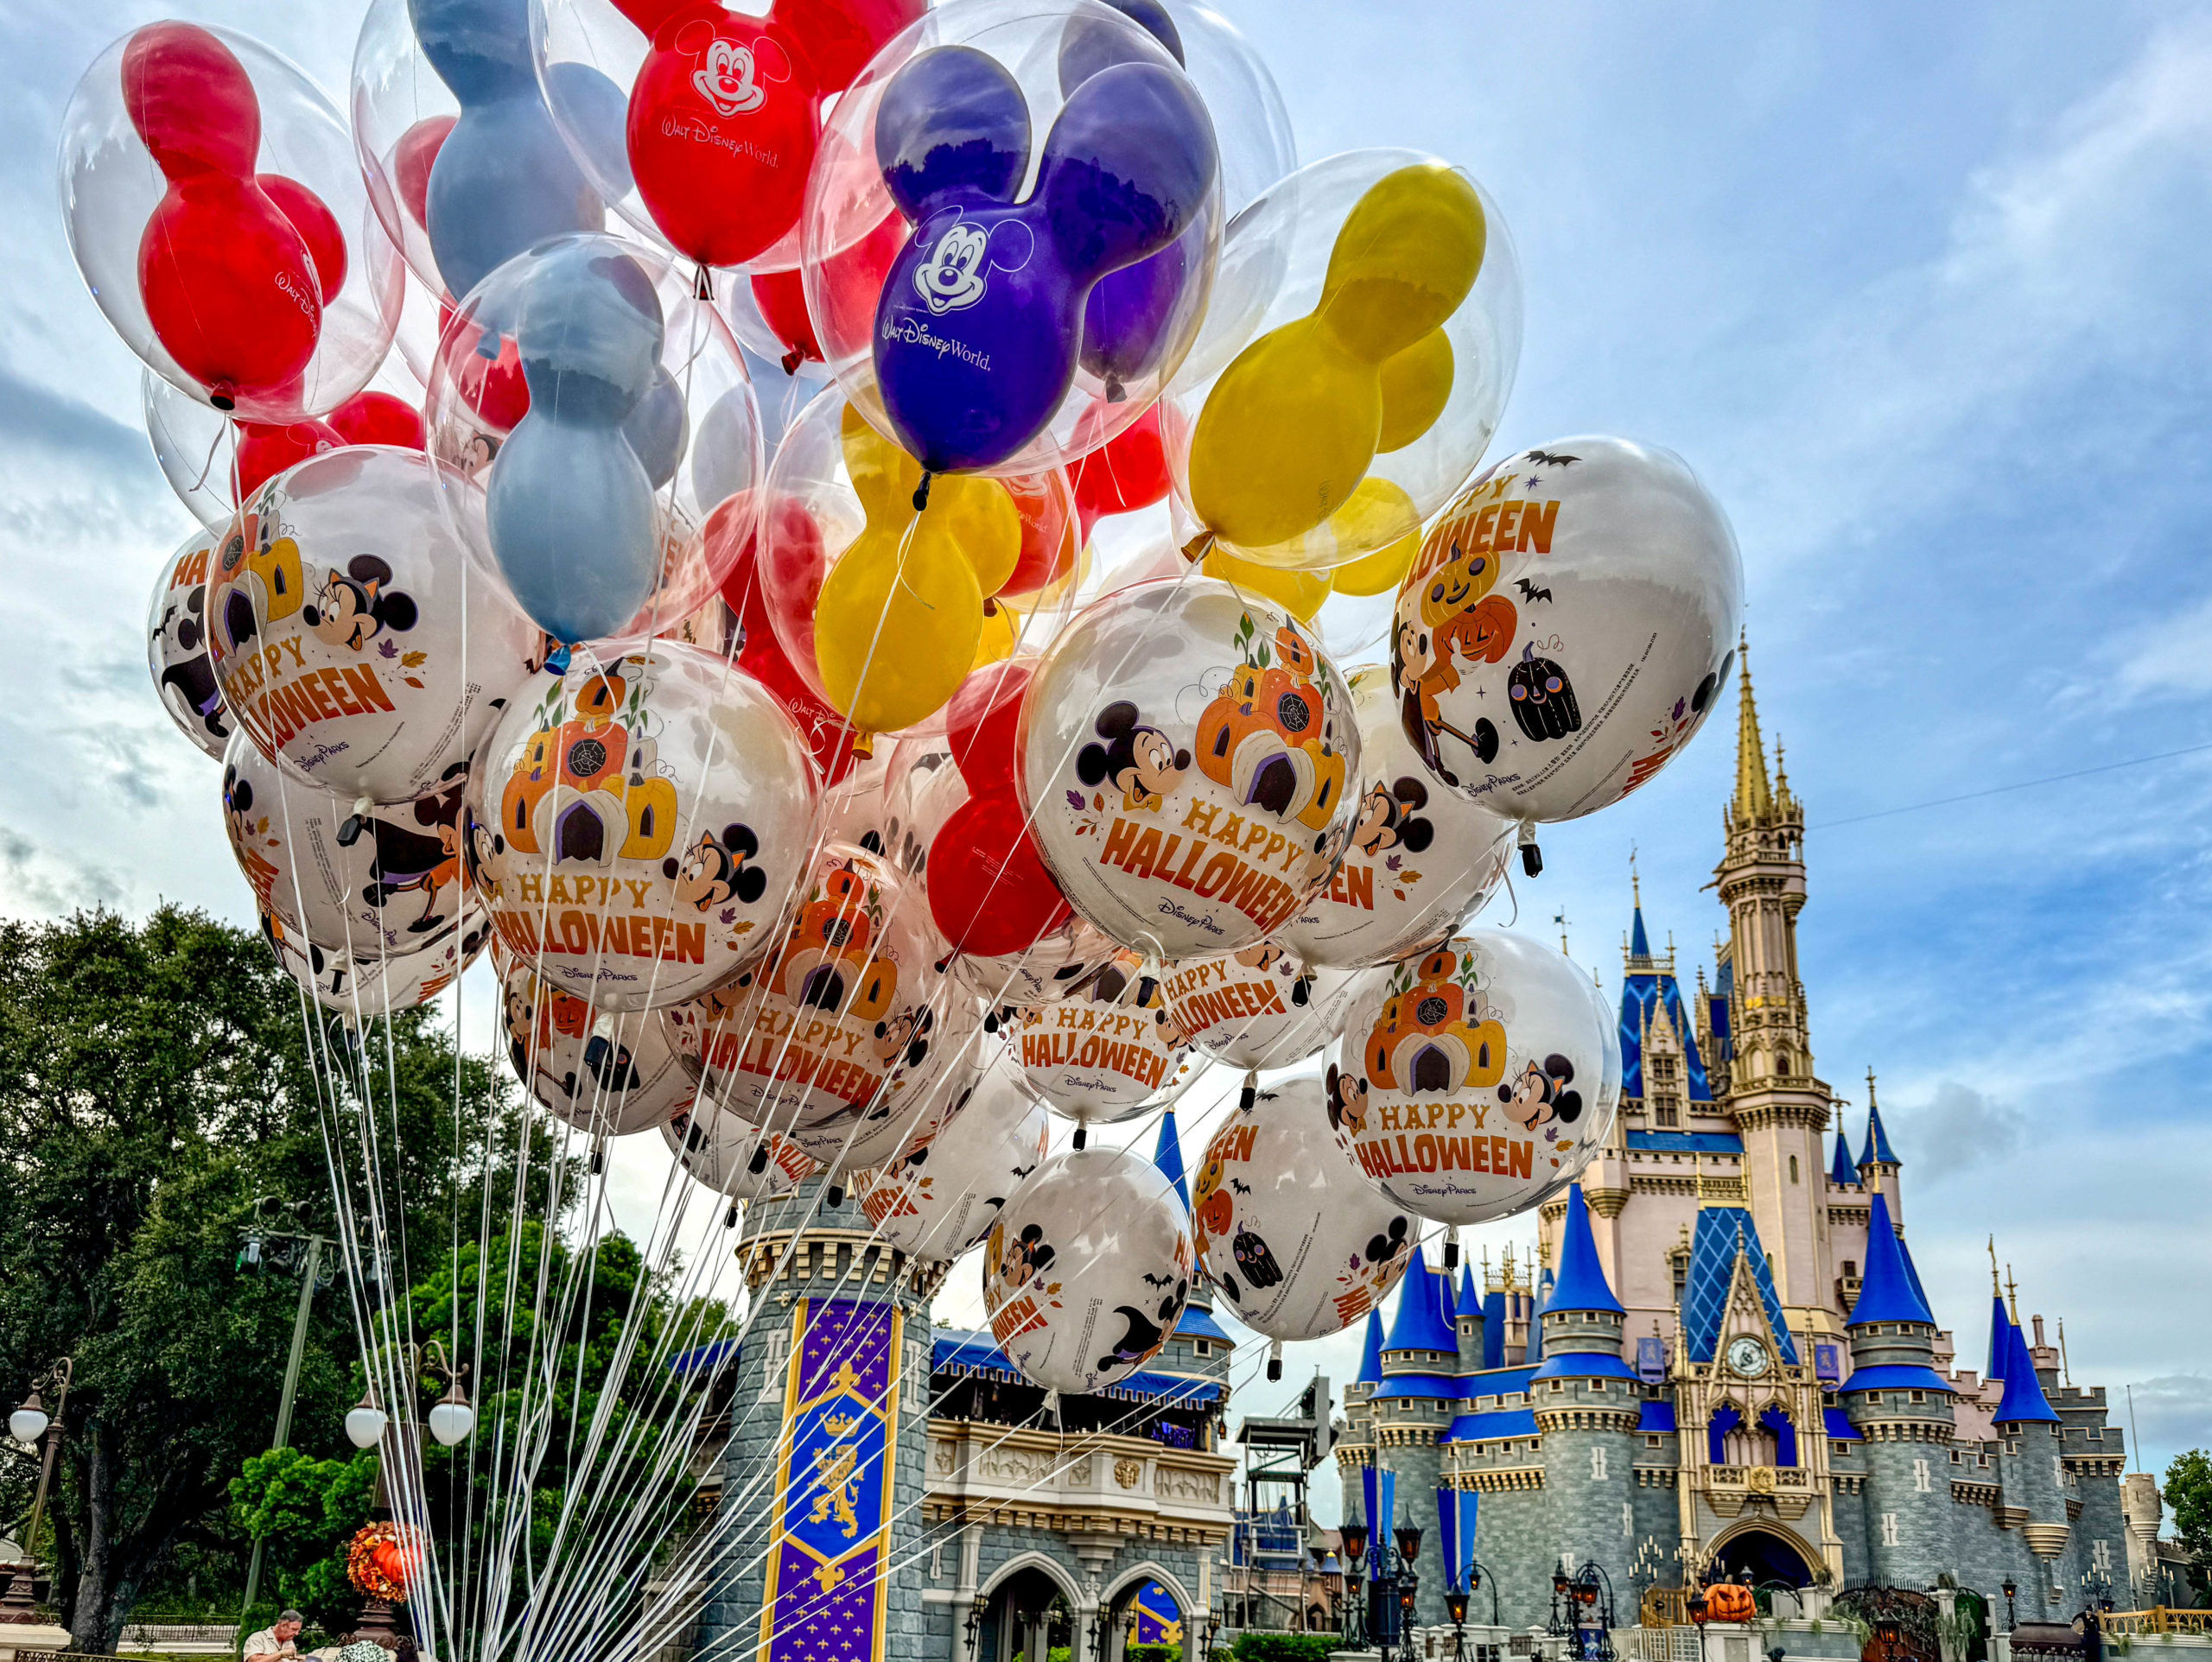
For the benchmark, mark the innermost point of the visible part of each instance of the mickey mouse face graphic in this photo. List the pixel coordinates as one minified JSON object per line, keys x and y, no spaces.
{"x":725,"y":80}
{"x":354,"y":607}
{"x":952,"y":278}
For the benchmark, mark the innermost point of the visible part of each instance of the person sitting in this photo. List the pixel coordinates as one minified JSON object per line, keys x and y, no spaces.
{"x":277,"y":1641}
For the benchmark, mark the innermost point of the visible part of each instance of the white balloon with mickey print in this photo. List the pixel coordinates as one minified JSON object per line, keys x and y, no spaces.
{"x":1477,"y":1079}
{"x":176,"y":646}
{"x":1260,"y":1007}
{"x":610,"y":1075}
{"x":1423,"y":860}
{"x":943,"y":1190}
{"x":1566,"y":627}
{"x":352,"y":634}
{"x":1087,"y":1269}
{"x":721,"y":1151}
{"x":377,"y":985}
{"x":369,"y":883}
{"x":1297,"y":1241}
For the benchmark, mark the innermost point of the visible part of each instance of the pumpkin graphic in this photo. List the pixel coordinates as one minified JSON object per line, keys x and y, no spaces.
{"x":1542,"y":698}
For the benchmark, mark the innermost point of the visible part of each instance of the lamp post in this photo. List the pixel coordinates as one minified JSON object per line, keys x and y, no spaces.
{"x":1216,"y":1612}
{"x":367,"y":1426}
{"x":2009,"y":1588}
{"x":1408,"y":1537}
{"x":1476,"y":1570}
{"x":976,"y":1612}
{"x":1582,"y":1609}
{"x":28,"y":1424}
{"x":1355,"y":1550}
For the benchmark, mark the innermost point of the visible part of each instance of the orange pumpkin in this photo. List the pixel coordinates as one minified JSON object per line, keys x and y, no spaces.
{"x":1729,"y":1601}
{"x":391,"y":1562}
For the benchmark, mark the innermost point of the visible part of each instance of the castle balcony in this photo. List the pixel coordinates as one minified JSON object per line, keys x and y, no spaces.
{"x":1728,"y":1489}
{"x":1085,"y":1481}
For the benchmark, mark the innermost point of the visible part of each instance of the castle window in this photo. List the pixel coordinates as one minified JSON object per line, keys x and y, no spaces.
{"x":1650,"y":1442}
{"x":1558,"y":1386}
{"x":1202,"y":1347}
{"x":1793,"y":1168}
{"x":1851,"y":1269}
{"x":1596,"y":1385}
{"x":1666,"y":1116}
{"x":2096,"y":1433}
{"x":1920,"y":1396}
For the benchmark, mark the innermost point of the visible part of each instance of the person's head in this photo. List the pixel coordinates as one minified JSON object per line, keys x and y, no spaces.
{"x":289,"y":1624}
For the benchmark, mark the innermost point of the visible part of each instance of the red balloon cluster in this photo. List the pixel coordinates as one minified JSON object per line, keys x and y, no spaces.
{"x":827,"y":735}
{"x":1128,"y":471}
{"x":989,"y":890}
{"x":267,"y":448}
{"x":726,"y":110}
{"x":234,"y":266}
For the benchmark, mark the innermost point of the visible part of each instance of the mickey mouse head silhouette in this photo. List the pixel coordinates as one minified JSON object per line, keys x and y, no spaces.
{"x":714,"y":869}
{"x":727,"y":72}
{"x":1540,"y":1095}
{"x":1128,"y":162}
{"x":355,"y":606}
{"x":1386,"y":818}
{"x":1143,"y":763}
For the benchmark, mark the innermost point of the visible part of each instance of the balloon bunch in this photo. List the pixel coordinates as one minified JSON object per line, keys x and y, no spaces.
{"x":991,"y":745}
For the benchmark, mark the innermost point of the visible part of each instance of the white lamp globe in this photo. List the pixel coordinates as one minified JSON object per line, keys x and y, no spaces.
{"x":27,"y":1424}
{"x":365,"y":1425}
{"x":452,"y":1421}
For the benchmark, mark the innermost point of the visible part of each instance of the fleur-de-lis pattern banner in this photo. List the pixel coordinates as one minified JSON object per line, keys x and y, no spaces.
{"x":823,"y":1602}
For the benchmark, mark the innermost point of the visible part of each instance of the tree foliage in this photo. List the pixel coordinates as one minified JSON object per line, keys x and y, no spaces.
{"x":2189,"y":1493}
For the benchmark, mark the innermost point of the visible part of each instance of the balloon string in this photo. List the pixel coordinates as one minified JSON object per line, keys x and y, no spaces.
{"x":703,"y":283}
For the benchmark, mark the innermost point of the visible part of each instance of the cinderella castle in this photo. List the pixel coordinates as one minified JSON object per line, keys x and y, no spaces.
{"x":1726,"y":1365}
{"x":1723,"y":1363}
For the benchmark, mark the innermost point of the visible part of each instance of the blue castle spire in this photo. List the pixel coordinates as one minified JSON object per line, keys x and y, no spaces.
{"x":1877,"y":1150}
{"x":1167,"y":1155}
{"x":1421,"y":1322}
{"x":1470,"y":1302}
{"x":1370,"y":1356}
{"x":1889,"y":1291}
{"x":2000,"y":1343}
{"x":1843,"y":1171}
{"x":1639,"y":943}
{"x":2024,"y":1398}
{"x":1581,"y":1285}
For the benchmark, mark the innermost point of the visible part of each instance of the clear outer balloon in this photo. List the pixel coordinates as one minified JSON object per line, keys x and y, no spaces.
{"x":880,"y":610}
{"x":176,"y":647}
{"x":352,"y":639}
{"x":1188,"y":759}
{"x":1478,"y":1081}
{"x":1108,"y":1052}
{"x":1568,"y":627}
{"x":637,"y":826}
{"x":717,"y":1149}
{"x":1422,"y":862}
{"x":1301,"y":1244}
{"x":944,"y":1188}
{"x":847,"y":1022}
{"x":1406,"y":424}
{"x":847,"y":203}
{"x":373,"y":985}
{"x":608,"y":1075}
{"x":112,"y":187}
{"x":1088,"y":1269}
{"x":509,"y":180}
{"x":1258,"y":1007}
{"x":1041,"y":975}
{"x":377,"y":883}
{"x":683,"y":443}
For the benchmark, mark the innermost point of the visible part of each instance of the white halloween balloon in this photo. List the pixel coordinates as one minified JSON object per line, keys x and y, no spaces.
{"x":1566,"y":626}
{"x":373,"y":985}
{"x":1478,"y":1080}
{"x":1260,"y":1007}
{"x":1423,"y":860}
{"x":940,"y":1195}
{"x":1042,"y":973}
{"x":1087,"y":1269}
{"x":636,"y":824}
{"x":1297,"y":1239}
{"x":609,"y":1074}
{"x":846,"y":1021}
{"x":1109,"y":1051}
{"x":1188,"y":759}
{"x":352,"y":636}
{"x":720,"y":1150}
{"x":380,"y":882}
{"x":176,"y":647}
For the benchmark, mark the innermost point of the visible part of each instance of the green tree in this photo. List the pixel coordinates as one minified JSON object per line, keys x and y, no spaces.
{"x":155,"y":1080}
{"x":2188,"y":1492}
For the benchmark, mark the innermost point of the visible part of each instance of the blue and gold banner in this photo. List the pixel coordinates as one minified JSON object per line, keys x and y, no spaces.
{"x":1159,"y":1618}
{"x":825,"y":1598}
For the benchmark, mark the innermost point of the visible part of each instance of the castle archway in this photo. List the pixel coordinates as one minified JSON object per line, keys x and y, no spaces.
{"x":1760,"y":1555}
{"x":1030,"y":1608}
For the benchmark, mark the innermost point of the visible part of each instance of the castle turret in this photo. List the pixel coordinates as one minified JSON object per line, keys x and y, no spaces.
{"x":1879,"y":1165}
{"x":1844,"y":1174}
{"x":1355,"y":1451}
{"x":2031,"y":1462}
{"x":1467,"y":1316}
{"x":1587,"y":1403}
{"x":1897,"y":1402}
{"x":1418,"y":1399}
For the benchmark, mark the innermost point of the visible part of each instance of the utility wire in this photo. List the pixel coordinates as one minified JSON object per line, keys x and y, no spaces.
{"x":1998,"y":791}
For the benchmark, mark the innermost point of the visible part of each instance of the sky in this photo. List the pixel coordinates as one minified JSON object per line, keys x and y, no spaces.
{"x":1918,"y":291}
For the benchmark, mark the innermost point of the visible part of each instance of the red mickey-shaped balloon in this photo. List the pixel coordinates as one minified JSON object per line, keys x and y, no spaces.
{"x":727,"y":110}
{"x":982,"y":720}
{"x":989,"y":891}
{"x":1128,"y":471}
{"x":267,"y":448}
{"x":229,"y":280}
{"x":827,"y":735}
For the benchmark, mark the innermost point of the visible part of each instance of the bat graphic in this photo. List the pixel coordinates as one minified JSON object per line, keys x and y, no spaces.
{"x":1530,"y":592}
{"x":1241,"y":1188}
{"x":1159,"y":1280}
{"x":1556,"y":460}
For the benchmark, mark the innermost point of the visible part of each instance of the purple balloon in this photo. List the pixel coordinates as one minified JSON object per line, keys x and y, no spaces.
{"x":952,"y":124}
{"x":981,"y":318}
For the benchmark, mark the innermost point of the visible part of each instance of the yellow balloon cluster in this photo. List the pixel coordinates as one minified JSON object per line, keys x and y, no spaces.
{"x":900,"y":622}
{"x":1288,"y":433}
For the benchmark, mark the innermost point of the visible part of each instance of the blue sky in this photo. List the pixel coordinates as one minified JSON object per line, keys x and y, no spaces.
{"x":1919,"y":292}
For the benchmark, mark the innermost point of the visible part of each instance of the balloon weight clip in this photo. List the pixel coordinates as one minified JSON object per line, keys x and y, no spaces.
{"x":834,"y":1195}
{"x":1081,"y":1135}
{"x":1532,"y":858}
{"x":1274,"y":1361}
{"x":759,"y":1163}
{"x":729,"y":1218}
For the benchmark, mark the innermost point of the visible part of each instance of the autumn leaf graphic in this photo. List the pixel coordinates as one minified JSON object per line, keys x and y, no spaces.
{"x":1075,"y":799}
{"x":411,"y":681}
{"x":413,"y":660}
{"x":387,"y":649}
{"x":727,"y":915}
{"x":1394,"y":862}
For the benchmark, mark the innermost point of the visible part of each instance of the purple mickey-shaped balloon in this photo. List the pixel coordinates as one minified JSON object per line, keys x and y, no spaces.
{"x":981,"y":318}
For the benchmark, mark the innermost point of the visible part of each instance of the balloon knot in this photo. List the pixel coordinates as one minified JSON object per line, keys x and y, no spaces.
{"x":1198,"y":546}
{"x":759,"y":1163}
{"x":223,"y":401}
{"x":557,"y":660}
{"x":792,"y":360}
{"x":1115,"y":392}
{"x":1081,"y":1135}
{"x":922,"y":492}
{"x":991,"y":608}
{"x":703,"y":285}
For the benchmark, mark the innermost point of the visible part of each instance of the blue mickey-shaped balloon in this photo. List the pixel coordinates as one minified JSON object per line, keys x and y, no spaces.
{"x":570,"y":511}
{"x":504,"y":180}
{"x":981,"y":318}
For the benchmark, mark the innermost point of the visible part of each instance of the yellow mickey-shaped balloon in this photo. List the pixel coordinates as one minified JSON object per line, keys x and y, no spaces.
{"x":1291,"y":427}
{"x":1381,"y":516}
{"x":1298,"y":591}
{"x":899,"y":619}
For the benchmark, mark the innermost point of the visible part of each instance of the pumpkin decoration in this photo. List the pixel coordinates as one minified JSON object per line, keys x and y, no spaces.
{"x":380,"y":1560}
{"x":1728,"y":1601}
